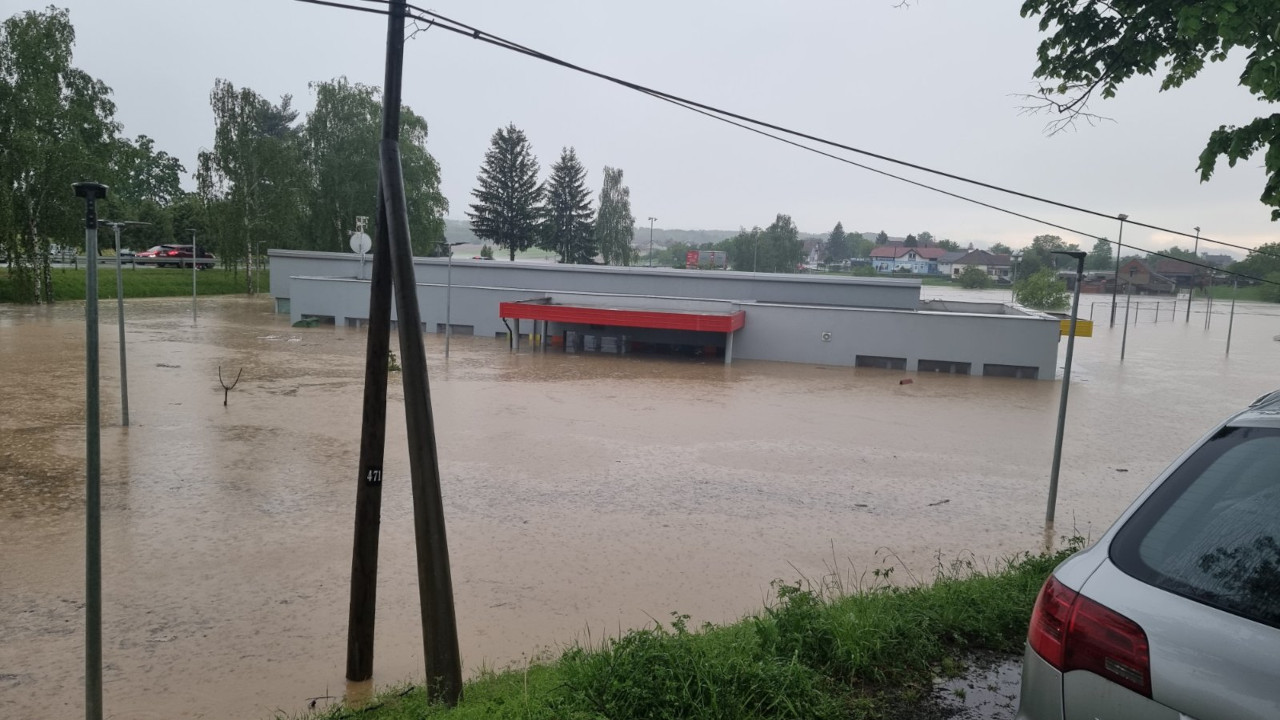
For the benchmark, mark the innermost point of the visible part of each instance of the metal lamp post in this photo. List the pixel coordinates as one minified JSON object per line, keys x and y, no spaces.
{"x":1124,"y":337}
{"x":651,"y":220}
{"x":124,"y":366}
{"x":1115,"y":283}
{"x":448,"y":298}
{"x":1066,"y":385}
{"x":92,"y":192}
{"x":1013,"y":290}
{"x":1191,"y":290}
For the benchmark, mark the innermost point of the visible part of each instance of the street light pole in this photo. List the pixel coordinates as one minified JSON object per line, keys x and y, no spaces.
{"x":92,"y":192}
{"x":651,"y":240}
{"x":1128,"y":297}
{"x":1066,"y":385}
{"x":124,"y":365}
{"x":193,"y":276}
{"x":1192,"y":289}
{"x":1115,"y":283}
{"x":448,"y":299}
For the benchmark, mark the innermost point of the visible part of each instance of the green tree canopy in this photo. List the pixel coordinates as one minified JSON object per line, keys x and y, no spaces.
{"x":1000,"y":248}
{"x":948,"y":245}
{"x":1100,"y":257}
{"x":566,"y":216}
{"x":925,"y":239}
{"x":882,"y":238}
{"x":1092,"y":47}
{"x":911,"y":241}
{"x":777,"y":248}
{"x":340,"y":138}
{"x":615,"y":225}
{"x":1260,"y":263}
{"x":254,"y":175}
{"x":1041,"y":290}
{"x":837,"y":247}
{"x":507,"y":193}
{"x":57,"y":127}
{"x":974,"y":277}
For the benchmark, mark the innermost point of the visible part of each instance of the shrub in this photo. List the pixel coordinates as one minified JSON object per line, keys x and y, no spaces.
{"x":974,"y":277}
{"x":1043,"y":290}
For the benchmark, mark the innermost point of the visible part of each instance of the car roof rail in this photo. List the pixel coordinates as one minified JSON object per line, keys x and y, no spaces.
{"x":1268,"y":399}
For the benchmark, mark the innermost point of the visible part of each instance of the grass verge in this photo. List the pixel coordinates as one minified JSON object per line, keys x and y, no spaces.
{"x":69,"y":283}
{"x":816,"y":652}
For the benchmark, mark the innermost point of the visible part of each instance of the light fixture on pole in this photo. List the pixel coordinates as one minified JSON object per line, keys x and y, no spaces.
{"x":651,"y":220}
{"x":124,"y":365}
{"x":1115,"y":282}
{"x":1066,"y":385}
{"x":448,"y":298}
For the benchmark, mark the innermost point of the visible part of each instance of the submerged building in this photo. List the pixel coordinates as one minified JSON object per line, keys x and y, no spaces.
{"x":813,"y":319}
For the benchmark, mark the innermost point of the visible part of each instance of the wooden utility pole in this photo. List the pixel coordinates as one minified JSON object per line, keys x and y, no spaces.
{"x":393,"y":268}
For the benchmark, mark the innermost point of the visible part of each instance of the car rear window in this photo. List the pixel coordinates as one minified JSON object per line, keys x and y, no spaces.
{"x":1211,"y":531}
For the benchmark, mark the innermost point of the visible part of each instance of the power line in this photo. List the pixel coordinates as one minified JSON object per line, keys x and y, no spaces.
{"x":733,"y":119}
{"x":478,"y":34}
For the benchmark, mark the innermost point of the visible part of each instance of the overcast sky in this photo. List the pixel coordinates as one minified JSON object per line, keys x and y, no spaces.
{"x":935,"y":84}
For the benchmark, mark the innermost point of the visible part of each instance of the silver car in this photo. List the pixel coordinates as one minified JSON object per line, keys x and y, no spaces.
{"x":1175,"y":613}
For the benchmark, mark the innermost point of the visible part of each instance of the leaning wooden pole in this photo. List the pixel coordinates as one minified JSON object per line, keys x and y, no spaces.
{"x":364,"y":555}
{"x":435,"y":585}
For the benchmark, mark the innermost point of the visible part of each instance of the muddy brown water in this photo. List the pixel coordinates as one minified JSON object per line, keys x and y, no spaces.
{"x":584,"y":494}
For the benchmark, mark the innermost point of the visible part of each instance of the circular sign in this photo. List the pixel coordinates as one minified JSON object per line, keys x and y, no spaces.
{"x":360,"y":243}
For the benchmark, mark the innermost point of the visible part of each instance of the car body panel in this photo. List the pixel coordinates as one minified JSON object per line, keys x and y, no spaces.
{"x":1207,"y":663}
{"x":1046,"y":702}
{"x":1092,"y":697}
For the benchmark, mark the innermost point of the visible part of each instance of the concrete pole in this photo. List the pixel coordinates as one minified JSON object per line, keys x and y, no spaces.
{"x":92,"y":192}
{"x":1066,"y":386}
{"x":1124,"y":337}
{"x":448,"y":304}
{"x":124,"y":365}
{"x":651,"y":220}
{"x":1235,"y":287}
{"x":193,"y":276}
{"x":1115,"y":285}
{"x":1192,"y":289}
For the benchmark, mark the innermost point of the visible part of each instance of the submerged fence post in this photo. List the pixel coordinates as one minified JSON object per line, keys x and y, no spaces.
{"x":92,"y":192}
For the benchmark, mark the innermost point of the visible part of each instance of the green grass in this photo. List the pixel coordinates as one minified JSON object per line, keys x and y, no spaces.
{"x":69,"y":283}
{"x":816,"y":652}
{"x":1256,"y":293}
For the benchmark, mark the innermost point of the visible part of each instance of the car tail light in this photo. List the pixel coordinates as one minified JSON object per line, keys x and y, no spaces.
{"x":1072,"y":632}
{"x":173,"y":253}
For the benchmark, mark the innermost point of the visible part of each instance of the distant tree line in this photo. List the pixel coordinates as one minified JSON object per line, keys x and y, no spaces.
{"x":271,"y":179}
{"x":516,"y":212}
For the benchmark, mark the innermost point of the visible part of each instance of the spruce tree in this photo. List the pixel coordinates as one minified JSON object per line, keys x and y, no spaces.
{"x":565,"y":218}
{"x":507,"y":193}
{"x":837,"y":245}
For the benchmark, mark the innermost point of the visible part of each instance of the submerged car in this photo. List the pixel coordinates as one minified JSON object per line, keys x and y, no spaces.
{"x":1175,"y":613}
{"x":178,"y":256}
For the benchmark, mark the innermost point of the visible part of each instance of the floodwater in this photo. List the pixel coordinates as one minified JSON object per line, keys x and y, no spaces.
{"x":584,"y":494}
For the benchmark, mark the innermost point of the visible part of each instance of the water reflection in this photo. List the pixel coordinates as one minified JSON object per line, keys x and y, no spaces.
{"x":582,"y":491}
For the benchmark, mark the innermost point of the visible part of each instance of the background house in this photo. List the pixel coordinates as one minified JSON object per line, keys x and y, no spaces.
{"x":995,"y":265}
{"x":897,"y":258}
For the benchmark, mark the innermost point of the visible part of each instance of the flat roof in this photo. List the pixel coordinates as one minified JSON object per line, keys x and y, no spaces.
{"x":670,"y":317}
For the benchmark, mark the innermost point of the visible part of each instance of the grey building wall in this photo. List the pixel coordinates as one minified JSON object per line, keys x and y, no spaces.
{"x":666,"y":282}
{"x":796,"y":334}
{"x":780,"y":331}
